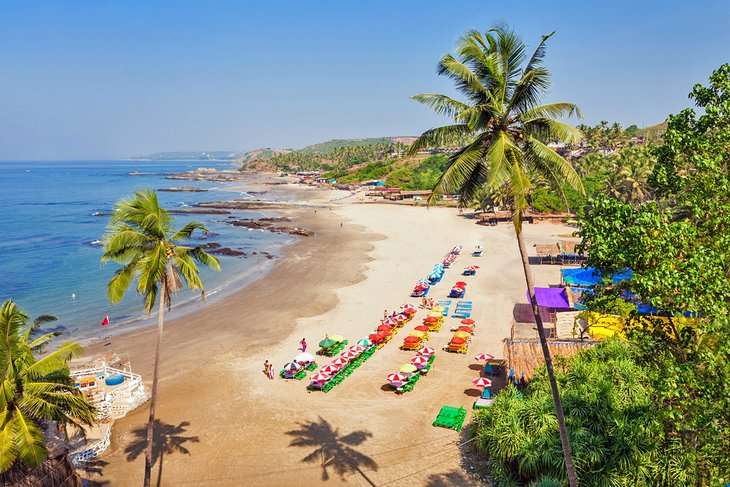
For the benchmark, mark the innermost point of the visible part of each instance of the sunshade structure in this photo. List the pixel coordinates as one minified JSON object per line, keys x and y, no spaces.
{"x":590,"y":276}
{"x":481,"y":382}
{"x":407,"y":368}
{"x":458,"y":340}
{"x":412,"y":339}
{"x":419,"y":361}
{"x":364,"y":342}
{"x":384,"y":327}
{"x":483,"y":357}
{"x":350,"y":354}
{"x":426,"y":351}
{"x":358,"y":348}
{"x":328,"y":342}
{"x":467,"y":321}
{"x":522,"y":313}
{"x":396,"y":379}
{"x":340,"y":361}
{"x":416,"y":333}
{"x":329,"y":369}
{"x":467,"y":329}
{"x":553,"y":298}
{"x":375,"y":338}
{"x":421,"y":328}
{"x":320,"y":377}
{"x":304,"y":358}
{"x":292,"y":367}
{"x":431,"y":319}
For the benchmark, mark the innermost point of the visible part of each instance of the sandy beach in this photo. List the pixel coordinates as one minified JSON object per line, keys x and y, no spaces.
{"x":224,"y":423}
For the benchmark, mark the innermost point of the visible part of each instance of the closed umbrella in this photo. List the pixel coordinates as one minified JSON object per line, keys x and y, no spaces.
{"x":467,"y":321}
{"x":408,"y":368}
{"x":483,"y":357}
{"x":481,"y":382}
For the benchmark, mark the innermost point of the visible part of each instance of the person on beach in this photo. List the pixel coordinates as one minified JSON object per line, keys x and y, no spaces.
{"x":303,"y":345}
{"x":267,"y":365}
{"x":385,"y":314}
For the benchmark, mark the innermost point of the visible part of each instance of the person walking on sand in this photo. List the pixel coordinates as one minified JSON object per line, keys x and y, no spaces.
{"x":267,"y":365}
{"x":303,"y":345}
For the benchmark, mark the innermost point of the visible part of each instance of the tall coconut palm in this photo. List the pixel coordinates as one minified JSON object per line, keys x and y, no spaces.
{"x":141,"y":239}
{"x":33,"y":390}
{"x":508,"y":129}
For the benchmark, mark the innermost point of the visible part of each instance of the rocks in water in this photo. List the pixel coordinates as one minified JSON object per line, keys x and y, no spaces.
{"x":227,"y":251}
{"x":267,"y":223}
{"x":183,"y":189}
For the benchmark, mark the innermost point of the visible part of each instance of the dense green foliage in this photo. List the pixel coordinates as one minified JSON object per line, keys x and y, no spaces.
{"x":607,"y":402}
{"x":422,"y":175}
{"x":33,"y":390}
{"x":678,"y":245}
{"x":335,"y":156}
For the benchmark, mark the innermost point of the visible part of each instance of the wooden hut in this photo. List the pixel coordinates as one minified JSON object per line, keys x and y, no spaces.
{"x":524,"y":356}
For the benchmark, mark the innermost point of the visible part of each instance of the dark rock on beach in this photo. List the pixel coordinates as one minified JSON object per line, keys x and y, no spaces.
{"x":267,"y":224}
{"x":227,"y":251}
{"x":183,"y":189}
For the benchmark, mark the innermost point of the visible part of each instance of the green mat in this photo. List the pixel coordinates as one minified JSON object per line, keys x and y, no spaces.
{"x":450,"y":417}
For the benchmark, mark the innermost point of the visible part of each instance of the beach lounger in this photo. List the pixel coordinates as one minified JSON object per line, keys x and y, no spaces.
{"x":482,"y":403}
{"x":461,"y":314}
{"x":450,"y":417}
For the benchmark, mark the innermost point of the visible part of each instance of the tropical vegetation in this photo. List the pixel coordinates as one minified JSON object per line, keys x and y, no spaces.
{"x":141,"y":239}
{"x":36,"y":390}
{"x":663,"y":420}
{"x":509,"y":129}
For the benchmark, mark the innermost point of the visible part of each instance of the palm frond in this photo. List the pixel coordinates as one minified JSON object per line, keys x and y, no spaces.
{"x":467,"y":82}
{"x":548,"y":130}
{"x":562,"y":170}
{"x":439,"y":137}
{"x":441,"y":104}
{"x":464,"y":174}
{"x":29,"y":439}
{"x":117,"y":286}
{"x":551,"y":110}
{"x":187,"y":231}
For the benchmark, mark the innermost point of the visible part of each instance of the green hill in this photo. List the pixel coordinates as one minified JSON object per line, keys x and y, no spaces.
{"x":331,"y":145}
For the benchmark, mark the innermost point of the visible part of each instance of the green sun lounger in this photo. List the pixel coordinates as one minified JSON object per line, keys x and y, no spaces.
{"x":450,"y":417}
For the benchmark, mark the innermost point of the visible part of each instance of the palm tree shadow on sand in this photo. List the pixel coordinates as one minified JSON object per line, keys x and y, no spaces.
{"x":332,"y":450}
{"x":168,"y":439}
{"x":453,"y":478}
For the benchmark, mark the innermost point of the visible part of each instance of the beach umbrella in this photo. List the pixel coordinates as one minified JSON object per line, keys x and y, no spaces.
{"x":416,"y":333}
{"x":350,"y":354}
{"x":384,"y":327}
{"x":292,"y":367}
{"x":327,"y":342}
{"x":340,"y":361}
{"x":337,"y":338}
{"x":483,"y":357}
{"x":481,"y":382}
{"x":400,"y":317}
{"x":466,"y":329}
{"x":430,"y":319}
{"x":364,"y":342}
{"x":320,"y":377}
{"x":419,"y":361}
{"x":408,"y":368}
{"x":357,"y":348}
{"x":390,"y":322}
{"x":421,"y":328}
{"x":457,"y":341}
{"x":412,"y":339}
{"x":436,"y":314}
{"x":384,"y":334}
{"x":329,"y":369}
{"x":397,"y":379}
{"x":460,"y":284}
{"x":461,"y":334}
{"x":467,"y":321}
{"x":304,"y":358}
{"x":375,"y":338}
{"x":427,"y":351}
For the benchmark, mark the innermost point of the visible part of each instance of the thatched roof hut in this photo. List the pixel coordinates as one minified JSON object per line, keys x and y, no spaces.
{"x":524,"y":356}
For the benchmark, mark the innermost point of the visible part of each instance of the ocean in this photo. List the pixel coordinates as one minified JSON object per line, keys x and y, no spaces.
{"x":54,"y":215}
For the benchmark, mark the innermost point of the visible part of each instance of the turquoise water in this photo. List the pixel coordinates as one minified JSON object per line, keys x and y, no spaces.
{"x":49,"y":250}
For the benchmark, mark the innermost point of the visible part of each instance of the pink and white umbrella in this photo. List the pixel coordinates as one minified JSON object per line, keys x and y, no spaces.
{"x":292,"y":367}
{"x":397,"y":379}
{"x":426,"y":351}
{"x":340,"y":361}
{"x":350,"y":354}
{"x":481,"y":382}
{"x":329,"y":369}
{"x":320,"y":377}
{"x":419,"y":361}
{"x":483,"y":357}
{"x":357,"y":349}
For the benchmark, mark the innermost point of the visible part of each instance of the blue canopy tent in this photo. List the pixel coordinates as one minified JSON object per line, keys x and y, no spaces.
{"x":590,"y":276}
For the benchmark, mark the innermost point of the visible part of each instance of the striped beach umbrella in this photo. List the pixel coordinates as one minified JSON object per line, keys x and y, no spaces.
{"x":483,"y":357}
{"x":329,"y":369}
{"x":292,"y":367}
{"x":320,"y":377}
{"x":396,"y":379}
{"x":364,"y":342}
{"x":481,"y":382}
{"x":350,"y":354}
{"x":304,"y":358}
{"x":419,"y":361}
{"x":358,"y":348}
{"x":426,"y":351}
{"x":340,"y":361}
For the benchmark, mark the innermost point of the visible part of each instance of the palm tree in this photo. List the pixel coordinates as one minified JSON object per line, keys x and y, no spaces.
{"x":509,"y":129}
{"x":140,"y":238}
{"x":33,"y":391}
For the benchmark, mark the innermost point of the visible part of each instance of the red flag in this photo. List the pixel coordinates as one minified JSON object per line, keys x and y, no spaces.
{"x":105,"y":321}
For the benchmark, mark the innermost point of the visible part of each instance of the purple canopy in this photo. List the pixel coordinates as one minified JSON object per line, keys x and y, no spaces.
{"x":552,"y":297}
{"x":522,"y":313}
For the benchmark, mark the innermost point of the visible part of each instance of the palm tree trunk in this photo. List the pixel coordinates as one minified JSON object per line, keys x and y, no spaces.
{"x":153,"y":395}
{"x":567,"y":453}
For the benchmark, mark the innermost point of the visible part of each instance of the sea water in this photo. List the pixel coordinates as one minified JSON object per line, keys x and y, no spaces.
{"x":54,"y":215}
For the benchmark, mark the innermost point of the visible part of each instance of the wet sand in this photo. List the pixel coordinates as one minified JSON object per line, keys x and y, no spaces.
{"x":225,"y":424}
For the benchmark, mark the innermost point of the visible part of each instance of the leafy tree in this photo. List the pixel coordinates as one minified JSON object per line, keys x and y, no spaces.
{"x":608,"y":407}
{"x":508,"y":129}
{"x":141,"y":239}
{"x":33,"y":390}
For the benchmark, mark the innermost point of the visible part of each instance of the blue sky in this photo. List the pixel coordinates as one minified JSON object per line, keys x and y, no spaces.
{"x":113,"y":79}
